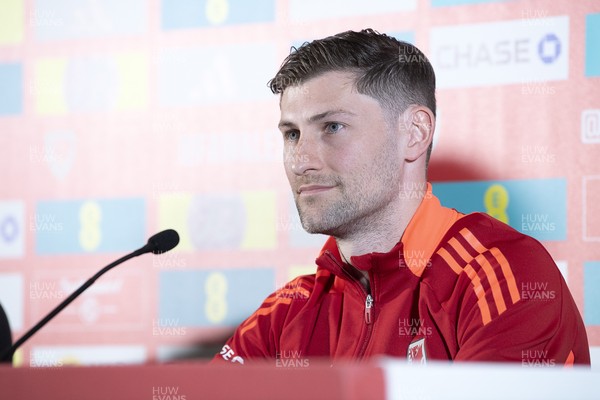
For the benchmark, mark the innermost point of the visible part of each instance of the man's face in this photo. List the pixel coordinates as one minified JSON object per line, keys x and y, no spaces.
{"x":340,"y":156}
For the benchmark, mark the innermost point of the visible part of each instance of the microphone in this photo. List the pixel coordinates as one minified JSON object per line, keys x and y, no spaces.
{"x":157,"y":244}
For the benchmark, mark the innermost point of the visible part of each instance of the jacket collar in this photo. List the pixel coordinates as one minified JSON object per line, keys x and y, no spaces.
{"x":422,"y":235}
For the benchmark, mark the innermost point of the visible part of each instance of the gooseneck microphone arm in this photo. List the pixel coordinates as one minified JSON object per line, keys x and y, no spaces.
{"x":157,"y":244}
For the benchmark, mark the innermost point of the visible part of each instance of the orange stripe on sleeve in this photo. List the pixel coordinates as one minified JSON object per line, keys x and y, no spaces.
{"x":472,"y":240}
{"x":504,"y":264}
{"x":487,"y":268}
{"x":271,"y":299}
{"x":493,"y":280}
{"x":462,"y":252}
{"x":475,"y":281}
{"x":508,"y":275}
{"x":268,"y":310}
{"x":248,"y":326}
{"x":450,"y":260}
{"x":480,"y":293}
{"x":491,"y":273}
{"x":262,"y":311}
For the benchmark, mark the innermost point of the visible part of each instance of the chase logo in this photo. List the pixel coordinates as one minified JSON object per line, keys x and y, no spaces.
{"x":12,"y":229}
{"x":504,"y":52}
{"x":549,"y":48}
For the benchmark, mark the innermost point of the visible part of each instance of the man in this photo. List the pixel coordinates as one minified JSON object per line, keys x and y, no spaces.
{"x":400,"y":275}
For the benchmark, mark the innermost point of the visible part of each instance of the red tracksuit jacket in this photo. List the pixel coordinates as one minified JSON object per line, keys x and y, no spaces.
{"x":456,"y":287}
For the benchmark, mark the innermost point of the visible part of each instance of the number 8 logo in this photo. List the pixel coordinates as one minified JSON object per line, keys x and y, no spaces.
{"x":496,"y":201}
{"x":90,"y":234}
{"x":215,"y":288}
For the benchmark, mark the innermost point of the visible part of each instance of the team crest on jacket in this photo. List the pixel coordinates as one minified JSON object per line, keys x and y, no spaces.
{"x":416,"y":352}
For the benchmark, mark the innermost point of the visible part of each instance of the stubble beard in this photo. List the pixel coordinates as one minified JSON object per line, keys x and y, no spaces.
{"x":356,"y":209}
{"x":326,"y":217}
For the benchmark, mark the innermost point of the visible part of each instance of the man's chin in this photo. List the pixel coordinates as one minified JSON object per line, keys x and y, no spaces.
{"x":311,"y":225}
{"x":316,"y":227}
{"x":317,"y":221}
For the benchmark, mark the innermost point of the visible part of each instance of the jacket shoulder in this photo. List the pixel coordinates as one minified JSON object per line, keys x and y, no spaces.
{"x":492,"y":263}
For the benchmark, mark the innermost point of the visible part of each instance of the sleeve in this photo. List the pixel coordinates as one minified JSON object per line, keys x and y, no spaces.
{"x":259,"y":335}
{"x":515,"y":305}
{"x":534,"y":331}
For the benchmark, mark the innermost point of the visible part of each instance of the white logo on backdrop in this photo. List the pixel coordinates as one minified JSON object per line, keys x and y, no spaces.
{"x":501,"y":52}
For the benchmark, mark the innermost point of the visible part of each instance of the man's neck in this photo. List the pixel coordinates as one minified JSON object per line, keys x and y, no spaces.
{"x":380,"y":236}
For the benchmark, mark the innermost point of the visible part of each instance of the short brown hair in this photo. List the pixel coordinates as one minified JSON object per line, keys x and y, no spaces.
{"x":395,"y":73}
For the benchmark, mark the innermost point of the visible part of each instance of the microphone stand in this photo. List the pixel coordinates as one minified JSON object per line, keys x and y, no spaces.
{"x":157,"y":244}
{"x":7,"y":354}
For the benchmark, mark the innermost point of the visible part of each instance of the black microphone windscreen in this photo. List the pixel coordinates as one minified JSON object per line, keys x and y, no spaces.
{"x":163,"y":241}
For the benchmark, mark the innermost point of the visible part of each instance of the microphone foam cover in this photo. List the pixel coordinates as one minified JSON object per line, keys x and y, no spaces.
{"x":163,"y":241}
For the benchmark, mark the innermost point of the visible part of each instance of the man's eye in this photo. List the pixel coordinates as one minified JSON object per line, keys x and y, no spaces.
{"x":333,"y":127}
{"x":292,"y":135}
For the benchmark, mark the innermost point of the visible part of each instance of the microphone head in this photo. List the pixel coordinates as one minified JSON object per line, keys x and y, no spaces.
{"x":163,"y":241}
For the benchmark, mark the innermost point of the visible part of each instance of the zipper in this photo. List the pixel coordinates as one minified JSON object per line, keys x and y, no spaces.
{"x":368,"y":307}
{"x":368,"y":321}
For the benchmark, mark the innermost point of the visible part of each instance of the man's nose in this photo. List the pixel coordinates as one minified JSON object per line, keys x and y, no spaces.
{"x":305,"y":156}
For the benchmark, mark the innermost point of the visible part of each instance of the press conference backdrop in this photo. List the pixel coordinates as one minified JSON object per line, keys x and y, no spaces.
{"x":119,"y":119}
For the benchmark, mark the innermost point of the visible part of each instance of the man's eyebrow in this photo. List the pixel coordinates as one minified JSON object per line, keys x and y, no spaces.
{"x":327,"y":114}
{"x":317,"y":117}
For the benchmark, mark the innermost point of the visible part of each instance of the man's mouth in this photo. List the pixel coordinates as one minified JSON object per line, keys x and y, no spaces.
{"x":306,"y":190}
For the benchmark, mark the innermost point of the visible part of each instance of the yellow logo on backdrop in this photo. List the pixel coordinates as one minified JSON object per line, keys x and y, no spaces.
{"x":217,"y":11}
{"x":496,"y":200}
{"x":90,"y":234}
{"x":133,"y":81}
{"x":12,"y":18}
{"x":259,"y":227}
{"x":50,"y":79}
{"x":48,"y":86}
{"x":260,"y":220}
{"x":173,"y":210}
{"x":215,"y":306}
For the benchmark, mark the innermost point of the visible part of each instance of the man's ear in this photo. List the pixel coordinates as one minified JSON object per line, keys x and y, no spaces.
{"x":419,"y":124}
